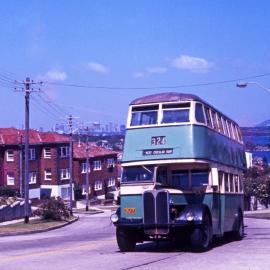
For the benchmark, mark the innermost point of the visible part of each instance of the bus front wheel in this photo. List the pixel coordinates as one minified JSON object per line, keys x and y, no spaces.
{"x":125,"y":241}
{"x":201,"y":237}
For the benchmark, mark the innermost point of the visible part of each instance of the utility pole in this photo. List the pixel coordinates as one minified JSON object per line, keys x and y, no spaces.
{"x":70,"y":124}
{"x":27,"y":89}
{"x":27,"y":85}
{"x":87,"y":176}
{"x":21,"y":167}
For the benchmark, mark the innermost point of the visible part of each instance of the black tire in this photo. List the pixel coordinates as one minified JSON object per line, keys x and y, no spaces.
{"x":201,"y":237}
{"x":125,"y":241}
{"x":239,"y":233}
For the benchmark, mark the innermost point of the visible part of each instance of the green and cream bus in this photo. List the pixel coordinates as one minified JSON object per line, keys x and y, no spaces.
{"x":182,"y":173}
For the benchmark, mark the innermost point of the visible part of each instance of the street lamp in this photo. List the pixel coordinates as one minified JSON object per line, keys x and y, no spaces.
{"x":243,"y":84}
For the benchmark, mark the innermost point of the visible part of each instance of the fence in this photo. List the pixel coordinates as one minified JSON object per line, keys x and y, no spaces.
{"x":13,"y":211}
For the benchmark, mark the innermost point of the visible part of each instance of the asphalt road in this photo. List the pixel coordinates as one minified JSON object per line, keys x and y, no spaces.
{"x":90,"y":244}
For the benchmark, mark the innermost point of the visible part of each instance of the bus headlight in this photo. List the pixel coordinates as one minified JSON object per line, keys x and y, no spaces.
{"x":114,"y":218}
{"x":189,"y":216}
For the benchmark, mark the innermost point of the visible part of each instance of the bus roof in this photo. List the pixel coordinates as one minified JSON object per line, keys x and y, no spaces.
{"x":166,"y":97}
{"x":172,"y":97}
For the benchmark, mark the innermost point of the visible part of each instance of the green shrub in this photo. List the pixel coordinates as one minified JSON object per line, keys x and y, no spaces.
{"x":9,"y":192}
{"x":53,"y":209}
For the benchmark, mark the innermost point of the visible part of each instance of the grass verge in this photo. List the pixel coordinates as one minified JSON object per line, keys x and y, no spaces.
{"x":90,"y":211}
{"x":34,"y":225}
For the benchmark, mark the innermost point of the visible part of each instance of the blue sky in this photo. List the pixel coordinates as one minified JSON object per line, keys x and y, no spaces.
{"x":132,"y":44}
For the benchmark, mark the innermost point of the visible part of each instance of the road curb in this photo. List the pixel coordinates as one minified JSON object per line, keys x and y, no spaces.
{"x":40,"y":231}
{"x":89,"y":213}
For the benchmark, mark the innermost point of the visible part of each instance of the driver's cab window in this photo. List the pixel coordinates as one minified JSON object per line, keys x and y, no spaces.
{"x":162,"y":176}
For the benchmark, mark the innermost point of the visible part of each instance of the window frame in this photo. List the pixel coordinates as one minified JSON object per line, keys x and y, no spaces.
{"x":84,"y":167}
{"x":181,"y":172}
{"x":110,"y":162}
{"x":10,"y":177}
{"x":208,"y":117}
{"x":32,"y":177}
{"x":48,"y":174}
{"x":32,"y":154}
{"x":10,"y":157}
{"x":95,"y":167}
{"x":45,"y":153}
{"x":98,"y":185}
{"x":111,"y":182}
{"x":64,"y":174}
{"x":175,"y":109}
{"x":64,"y":151}
{"x":143,"y":106}
{"x":203,"y":112}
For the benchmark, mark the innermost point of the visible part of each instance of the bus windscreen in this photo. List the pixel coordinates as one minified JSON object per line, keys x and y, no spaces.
{"x":138,"y":174}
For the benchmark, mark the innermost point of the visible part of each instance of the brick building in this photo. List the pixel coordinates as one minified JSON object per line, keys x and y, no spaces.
{"x":48,"y":163}
{"x":103,"y":172}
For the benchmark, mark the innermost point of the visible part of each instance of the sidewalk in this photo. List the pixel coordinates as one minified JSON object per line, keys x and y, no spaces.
{"x":14,"y":221}
{"x":261,"y":211}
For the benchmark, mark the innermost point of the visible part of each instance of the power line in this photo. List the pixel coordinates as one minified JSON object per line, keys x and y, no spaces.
{"x":45,"y":109}
{"x":51,"y":105}
{"x":157,"y":87}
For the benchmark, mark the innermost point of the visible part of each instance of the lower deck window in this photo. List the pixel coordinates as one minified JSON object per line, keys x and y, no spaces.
{"x":180,"y":179}
{"x":199,"y":178}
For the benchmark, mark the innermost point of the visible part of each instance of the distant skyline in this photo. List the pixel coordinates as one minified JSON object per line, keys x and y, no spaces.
{"x":130,"y":44}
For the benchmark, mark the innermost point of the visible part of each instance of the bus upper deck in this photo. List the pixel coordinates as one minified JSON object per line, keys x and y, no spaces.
{"x":180,"y":126}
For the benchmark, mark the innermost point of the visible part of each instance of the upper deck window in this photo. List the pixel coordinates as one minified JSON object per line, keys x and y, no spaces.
{"x":138,"y":174}
{"x":220,"y":125}
{"x":175,"y":113}
{"x":208,"y":118}
{"x":199,"y":115}
{"x":145,"y":115}
{"x":214,"y":120}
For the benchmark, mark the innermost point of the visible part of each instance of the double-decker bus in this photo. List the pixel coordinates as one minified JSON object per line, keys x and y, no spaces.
{"x":182,"y":173}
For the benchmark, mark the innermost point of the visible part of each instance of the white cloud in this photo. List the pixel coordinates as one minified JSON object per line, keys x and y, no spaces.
{"x":97,"y":67}
{"x":157,"y":70}
{"x":139,"y":74}
{"x":150,"y":71}
{"x":56,"y":75}
{"x":191,"y":63}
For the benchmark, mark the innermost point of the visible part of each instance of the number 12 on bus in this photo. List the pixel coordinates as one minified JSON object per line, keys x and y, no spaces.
{"x":182,"y":173}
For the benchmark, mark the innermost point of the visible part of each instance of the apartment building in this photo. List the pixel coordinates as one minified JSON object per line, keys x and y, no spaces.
{"x":49,"y":172}
{"x":103,"y":174}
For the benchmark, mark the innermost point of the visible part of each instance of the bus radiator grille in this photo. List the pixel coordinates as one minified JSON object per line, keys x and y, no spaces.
{"x":156,"y":212}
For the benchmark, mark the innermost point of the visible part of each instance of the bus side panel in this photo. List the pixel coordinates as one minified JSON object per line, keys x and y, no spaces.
{"x":232,"y":202}
{"x":186,"y":142}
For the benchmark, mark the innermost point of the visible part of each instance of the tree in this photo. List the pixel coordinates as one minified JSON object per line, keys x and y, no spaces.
{"x":257,"y":185}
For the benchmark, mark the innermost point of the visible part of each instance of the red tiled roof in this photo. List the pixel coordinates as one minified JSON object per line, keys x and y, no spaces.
{"x":12,"y":136}
{"x":79,"y":151}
